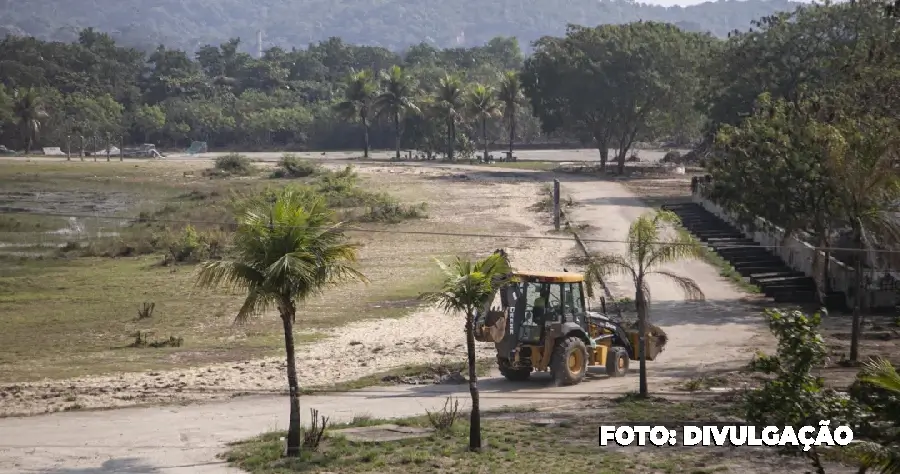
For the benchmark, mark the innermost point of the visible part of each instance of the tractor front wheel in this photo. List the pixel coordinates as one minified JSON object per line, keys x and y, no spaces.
{"x":569,"y":362}
{"x":617,"y":362}
{"x":513,"y":374}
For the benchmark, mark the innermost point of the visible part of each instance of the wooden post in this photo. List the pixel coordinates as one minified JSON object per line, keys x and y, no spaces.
{"x":82,"y":147}
{"x":108,"y":146}
{"x":122,"y":148}
{"x":68,"y":148}
{"x":556,"y":210}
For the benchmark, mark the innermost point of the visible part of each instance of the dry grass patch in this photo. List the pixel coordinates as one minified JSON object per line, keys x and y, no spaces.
{"x":561,"y":440}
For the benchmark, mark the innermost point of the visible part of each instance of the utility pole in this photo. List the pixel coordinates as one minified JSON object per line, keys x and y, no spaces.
{"x":556,"y":210}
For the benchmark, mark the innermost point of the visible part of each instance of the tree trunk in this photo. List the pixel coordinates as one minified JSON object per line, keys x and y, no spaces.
{"x":397,"y":131}
{"x":484,"y":137}
{"x":603,"y":147}
{"x":475,"y":416}
{"x":641,"y":304}
{"x":365,"y":124}
{"x":620,"y":159}
{"x":856,"y":324}
{"x":512,"y":133}
{"x":451,"y":137}
{"x":293,"y":437}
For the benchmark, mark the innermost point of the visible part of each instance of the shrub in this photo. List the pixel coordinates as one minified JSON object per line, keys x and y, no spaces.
{"x":393,"y":212}
{"x":291,"y":166}
{"x":793,"y":395}
{"x":233,"y":164}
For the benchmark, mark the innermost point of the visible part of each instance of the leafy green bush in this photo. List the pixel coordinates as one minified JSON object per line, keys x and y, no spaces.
{"x":292,"y":166}
{"x":232,"y":164}
{"x":793,"y":396}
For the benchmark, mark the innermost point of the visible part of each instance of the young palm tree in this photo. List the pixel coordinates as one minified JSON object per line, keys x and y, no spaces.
{"x":358,"y":97}
{"x":872,"y":455}
{"x":468,"y":287}
{"x":449,"y":99}
{"x":647,"y":252}
{"x":287,"y":249}
{"x":28,"y":107}
{"x":483,"y":104}
{"x":397,"y":100}
{"x":510,"y":95}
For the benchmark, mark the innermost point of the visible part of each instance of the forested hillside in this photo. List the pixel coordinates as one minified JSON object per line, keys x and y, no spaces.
{"x":189,"y":24}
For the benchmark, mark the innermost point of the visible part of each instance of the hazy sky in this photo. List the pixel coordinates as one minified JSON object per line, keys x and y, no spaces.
{"x":672,"y":3}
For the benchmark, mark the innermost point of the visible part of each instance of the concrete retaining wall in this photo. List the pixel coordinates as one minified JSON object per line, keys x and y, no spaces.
{"x":799,"y":255}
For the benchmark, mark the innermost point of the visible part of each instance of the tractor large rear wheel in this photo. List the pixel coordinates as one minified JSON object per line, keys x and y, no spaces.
{"x":569,"y":362}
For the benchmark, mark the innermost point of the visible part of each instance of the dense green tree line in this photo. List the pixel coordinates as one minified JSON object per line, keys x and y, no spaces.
{"x":95,"y":88}
{"x":187,"y":24}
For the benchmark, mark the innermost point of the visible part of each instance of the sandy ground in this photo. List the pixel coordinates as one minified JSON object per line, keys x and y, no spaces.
{"x":428,"y":336}
{"x":718,"y":334}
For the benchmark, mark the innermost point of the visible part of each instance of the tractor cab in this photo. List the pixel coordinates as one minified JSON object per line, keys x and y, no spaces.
{"x":544,"y":324}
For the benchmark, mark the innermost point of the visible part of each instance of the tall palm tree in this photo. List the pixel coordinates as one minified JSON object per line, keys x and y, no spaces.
{"x":287,"y":249}
{"x":28,"y":107}
{"x":647,"y":252}
{"x":510,"y":95}
{"x":484,"y":105}
{"x":397,"y":100}
{"x":867,"y":184}
{"x":450,"y":100}
{"x":468,"y":287}
{"x":358,"y":97}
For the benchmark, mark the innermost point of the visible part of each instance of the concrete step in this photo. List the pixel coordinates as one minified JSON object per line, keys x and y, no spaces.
{"x":783,"y":280}
{"x":772,"y":291}
{"x":747,"y":271}
{"x":777,"y":274}
{"x":748,"y":261}
{"x":795,"y":297}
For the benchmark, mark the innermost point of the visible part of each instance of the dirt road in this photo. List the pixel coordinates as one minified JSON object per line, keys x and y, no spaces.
{"x":719,"y":333}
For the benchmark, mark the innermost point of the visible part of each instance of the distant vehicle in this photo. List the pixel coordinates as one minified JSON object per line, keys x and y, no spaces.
{"x":146,"y":150}
{"x":5,"y":151}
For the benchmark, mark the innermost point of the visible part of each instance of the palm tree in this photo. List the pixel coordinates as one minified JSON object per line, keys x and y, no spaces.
{"x":483,"y":104}
{"x":468,"y":287}
{"x":867,"y":184}
{"x":28,"y":107}
{"x":647,"y":252}
{"x":449,"y":99}
{"x":358,"y":97}
{"x":397,"y":100}
{"x":510,"y":95}
{"x":885,"y":459}
{"x":287,"y":248}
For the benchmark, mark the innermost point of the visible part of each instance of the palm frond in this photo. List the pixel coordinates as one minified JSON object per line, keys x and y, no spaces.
{"x":689,"y":287}
{"x":599,"y":266}
{"x":254,"y":304}
{"x":230,"y":274}
{"x":867,"y":454}
{"x":881,"y":373}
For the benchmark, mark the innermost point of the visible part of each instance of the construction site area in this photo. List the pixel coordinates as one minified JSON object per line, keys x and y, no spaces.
{"x":101,"y":311}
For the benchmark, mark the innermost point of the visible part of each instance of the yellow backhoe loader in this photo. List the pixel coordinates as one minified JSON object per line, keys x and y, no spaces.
{"x":543,"y":324}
